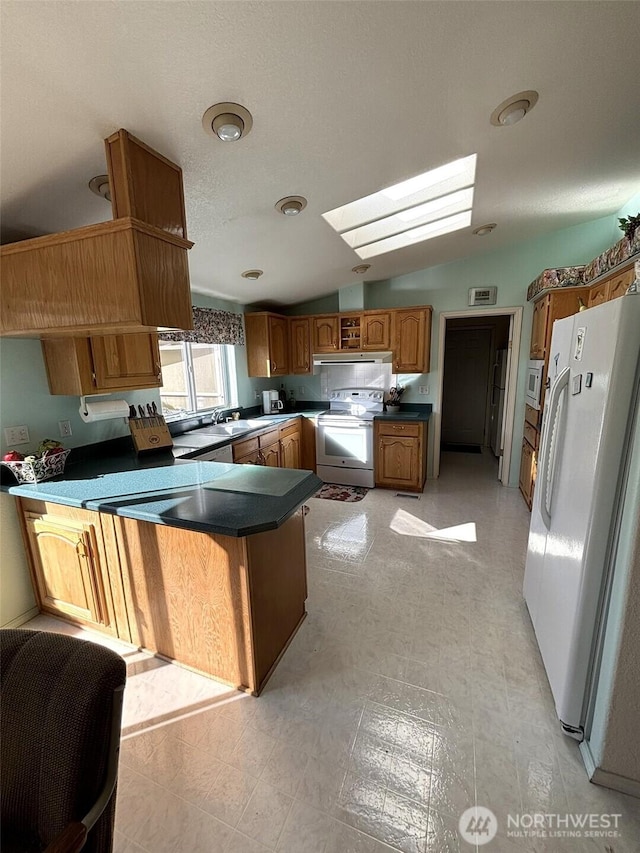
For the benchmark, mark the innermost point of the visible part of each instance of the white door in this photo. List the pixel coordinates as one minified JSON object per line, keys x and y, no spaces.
{"x":465,"y":389}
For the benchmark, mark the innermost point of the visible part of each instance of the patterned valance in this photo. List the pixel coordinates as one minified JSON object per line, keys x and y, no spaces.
{"x":210,"y":326}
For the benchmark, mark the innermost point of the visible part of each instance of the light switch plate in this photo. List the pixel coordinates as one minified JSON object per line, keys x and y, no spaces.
{"x":17,"y":435}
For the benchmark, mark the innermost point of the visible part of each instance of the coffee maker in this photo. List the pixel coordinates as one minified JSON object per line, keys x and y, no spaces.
{"x":271,"y":402}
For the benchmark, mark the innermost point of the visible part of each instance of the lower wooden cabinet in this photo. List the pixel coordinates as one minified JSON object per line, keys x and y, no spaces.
{"x":401,"y":455}
{"x":528,"y":470}
{"x":290,"y":445}
{"x":77,"y":366}
{"x":226,"y":606}
{"x":67,"y":551}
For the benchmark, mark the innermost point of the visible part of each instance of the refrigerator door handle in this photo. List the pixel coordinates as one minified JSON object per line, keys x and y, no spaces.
{"x":550,"y":444}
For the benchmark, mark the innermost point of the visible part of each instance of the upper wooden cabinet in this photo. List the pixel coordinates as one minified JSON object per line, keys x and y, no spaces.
{"x":376,"y":331}
{"x":326,"y":333}
{"x":124,"y":275}
{"x":610,"y":288}
{"x":267,"y":344}
{"x":560,"y":303}
{"x":106,"y":363}
{"x":411,"y":339}
{"x":144,"y":184}
{"x":300,"y":341}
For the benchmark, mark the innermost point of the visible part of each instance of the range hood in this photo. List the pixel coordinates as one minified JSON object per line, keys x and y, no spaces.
{"x":320,"y":358}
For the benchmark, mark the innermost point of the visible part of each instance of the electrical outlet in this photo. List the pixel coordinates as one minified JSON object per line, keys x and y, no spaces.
{"x":423,"y":389}
{"x":65,"y":428}
{"x":17,"y":435}
{"x":302,"y":390}
{"x":258,"y":395}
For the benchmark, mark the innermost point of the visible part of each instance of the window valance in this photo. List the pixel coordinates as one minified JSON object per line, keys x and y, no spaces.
{"x":210,"y":326}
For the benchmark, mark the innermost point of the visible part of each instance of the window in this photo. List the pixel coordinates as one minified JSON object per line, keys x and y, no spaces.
{"x":196,"y":377}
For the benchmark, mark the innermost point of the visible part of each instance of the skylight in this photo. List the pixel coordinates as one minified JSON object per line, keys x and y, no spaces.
{"x":420,"y":208}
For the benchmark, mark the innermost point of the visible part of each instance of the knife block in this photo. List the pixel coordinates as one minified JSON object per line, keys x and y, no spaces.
{"x":150,"y":433}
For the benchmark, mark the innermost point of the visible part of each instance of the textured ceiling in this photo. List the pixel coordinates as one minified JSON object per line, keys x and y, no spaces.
{"x":346,"y":98}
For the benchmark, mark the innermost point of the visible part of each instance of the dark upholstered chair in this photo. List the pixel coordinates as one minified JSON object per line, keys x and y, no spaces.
{"x":60,"y":715}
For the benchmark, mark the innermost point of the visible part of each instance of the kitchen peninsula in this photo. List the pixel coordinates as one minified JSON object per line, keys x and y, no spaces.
{"x":201,"y":562}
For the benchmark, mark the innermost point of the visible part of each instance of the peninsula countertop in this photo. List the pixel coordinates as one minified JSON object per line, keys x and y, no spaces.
{"x":212,"y":497}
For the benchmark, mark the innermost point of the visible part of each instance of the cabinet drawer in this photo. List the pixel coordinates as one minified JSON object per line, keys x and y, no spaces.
{"x":290,"y":429}
{"x":410,"y":430}
{"x":245,"y":448}
{"x":531,"y":435}
{"x":531,"y":416}
{"x":265,"y":439}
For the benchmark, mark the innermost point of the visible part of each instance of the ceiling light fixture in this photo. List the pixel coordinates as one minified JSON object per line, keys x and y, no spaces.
{"x":100,"y":186}
{"x":252,"y":274}
{"x":227,"y":121}
{"x":291,"y":205}
{"x":483,"y":230}
{"x":514,"y":109}
{"x":361,"y":268}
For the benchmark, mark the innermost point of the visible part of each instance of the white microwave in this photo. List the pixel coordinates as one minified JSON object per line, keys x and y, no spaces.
{"x":533,"y":392}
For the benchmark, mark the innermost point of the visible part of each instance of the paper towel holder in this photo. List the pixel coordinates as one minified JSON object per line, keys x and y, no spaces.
{"x":88,"y":418}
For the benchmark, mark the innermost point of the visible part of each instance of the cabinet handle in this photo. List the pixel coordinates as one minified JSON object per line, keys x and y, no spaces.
{"x":93,"y":378}
{"x":398,"y":427}
{"x":274,"y":366}
{"x":159,"y":369}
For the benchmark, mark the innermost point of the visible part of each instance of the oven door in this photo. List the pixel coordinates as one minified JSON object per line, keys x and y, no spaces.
{"x":344,"y":445}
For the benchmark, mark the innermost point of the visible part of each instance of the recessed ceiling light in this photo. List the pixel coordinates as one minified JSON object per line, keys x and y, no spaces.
{"x":483,"y":230}
{"x":252,"y":274}
{"x":360,"y":269}
{"x":514,"y":109}
{"x":292,"y":205}
{"x":227,"y":121}
{"x":100,"y":186}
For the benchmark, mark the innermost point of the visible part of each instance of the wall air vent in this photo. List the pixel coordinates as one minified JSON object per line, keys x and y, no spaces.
{"x":483,"y":295}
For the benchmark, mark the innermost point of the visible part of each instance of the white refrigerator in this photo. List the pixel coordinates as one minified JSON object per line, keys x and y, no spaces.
{"x":588,"y":416}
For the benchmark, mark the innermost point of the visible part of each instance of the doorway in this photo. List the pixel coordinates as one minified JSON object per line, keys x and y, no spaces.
{"x":478,"y":370}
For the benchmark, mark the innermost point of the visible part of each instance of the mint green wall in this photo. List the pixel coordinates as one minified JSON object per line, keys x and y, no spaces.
{"x":325,"y":305}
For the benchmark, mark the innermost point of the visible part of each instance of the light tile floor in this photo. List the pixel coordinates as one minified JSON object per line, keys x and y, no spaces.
{"x":413,"y":691}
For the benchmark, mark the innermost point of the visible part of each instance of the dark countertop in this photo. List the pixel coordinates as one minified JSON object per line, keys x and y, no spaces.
{"x":213,"y":497}
{"x":196,"y":441}
{"x":403,"y":416}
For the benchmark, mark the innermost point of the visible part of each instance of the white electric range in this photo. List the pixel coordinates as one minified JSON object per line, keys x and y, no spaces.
{"x":344,"y":437}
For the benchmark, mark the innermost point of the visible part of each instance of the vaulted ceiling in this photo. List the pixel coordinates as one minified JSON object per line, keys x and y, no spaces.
{"x":346,"y":98}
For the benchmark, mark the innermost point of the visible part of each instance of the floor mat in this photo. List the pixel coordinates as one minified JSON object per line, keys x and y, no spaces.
{"x":335,"y":492}
{"x":461,"y":448}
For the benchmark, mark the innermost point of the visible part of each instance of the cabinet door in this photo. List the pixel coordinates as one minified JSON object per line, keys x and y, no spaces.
{"x":325,"y":334}
{"x":619,"y":284}
{"x":290,"y":451}
{"x":411,"y":340}
{"x":376,"y":331}
{"x":398,"y":461}
{"x":126,"y":361}
{"x":527,"y":472}
{"x":599,"y":294}
{"x":66,"y":567}
{"x":278,"y":346}
{"x":271,"y":455}
{"x":300,"y":338}
{"x":539,"y":328}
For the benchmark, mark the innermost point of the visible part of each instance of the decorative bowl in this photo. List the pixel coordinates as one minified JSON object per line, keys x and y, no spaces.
{"x":43,"y":468}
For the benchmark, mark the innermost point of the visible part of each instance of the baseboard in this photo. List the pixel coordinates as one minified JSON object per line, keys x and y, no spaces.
{"x":24,"y":617}
{"x":606,"y":779}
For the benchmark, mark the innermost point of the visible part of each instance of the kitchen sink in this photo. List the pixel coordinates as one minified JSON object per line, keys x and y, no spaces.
{"x":232,"y":427}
